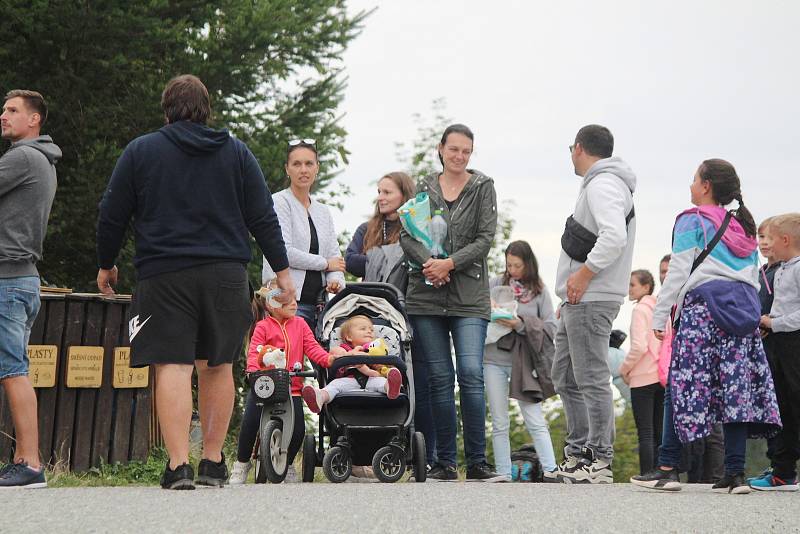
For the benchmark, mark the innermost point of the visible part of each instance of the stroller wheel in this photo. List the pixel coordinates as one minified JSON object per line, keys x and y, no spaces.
{"x":273,"y":460}
{"x":418,"y":452}
{"x":389,"y":463}
{"x":309,"y":457}
{"x":337,"y":464}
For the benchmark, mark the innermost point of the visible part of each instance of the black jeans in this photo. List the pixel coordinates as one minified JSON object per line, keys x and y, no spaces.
{"x":786,"y":365}
{"x":251,"y":421}
{"x":648,"y":412}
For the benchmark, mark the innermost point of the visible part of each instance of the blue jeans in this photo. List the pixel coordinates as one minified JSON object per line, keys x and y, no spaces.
{"x":423,"y":418}
{"x":670,"y":452}
{"x":468,"y":334}
{"x":496,"y":378}
{"x":308,"y":312}
{"x":19,"y":305}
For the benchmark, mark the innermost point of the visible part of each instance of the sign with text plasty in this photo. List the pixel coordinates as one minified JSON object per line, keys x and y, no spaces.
{"x":84,"y":367}
{"x":42,"y":371}
{"x":124,"y":375}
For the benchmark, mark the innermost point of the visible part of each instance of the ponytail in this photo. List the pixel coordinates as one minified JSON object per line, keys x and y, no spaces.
{"x":725,"y":188}
{"x":745,"y":218}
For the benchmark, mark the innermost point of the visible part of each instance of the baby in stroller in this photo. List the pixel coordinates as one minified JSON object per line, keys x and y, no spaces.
{"x":357,"y":334}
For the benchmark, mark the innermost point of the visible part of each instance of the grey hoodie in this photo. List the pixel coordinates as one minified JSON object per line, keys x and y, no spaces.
{"x":27,"y":188}
{"x":605,"y":199}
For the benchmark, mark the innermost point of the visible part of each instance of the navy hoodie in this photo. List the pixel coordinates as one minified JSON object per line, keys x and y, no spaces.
{"x":195,"y":195}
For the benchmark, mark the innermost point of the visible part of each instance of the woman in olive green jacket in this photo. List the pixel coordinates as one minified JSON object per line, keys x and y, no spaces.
{"x":449,"y":297}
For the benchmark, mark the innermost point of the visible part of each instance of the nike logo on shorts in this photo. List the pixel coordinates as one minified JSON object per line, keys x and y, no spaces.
{"x":134,"y":327}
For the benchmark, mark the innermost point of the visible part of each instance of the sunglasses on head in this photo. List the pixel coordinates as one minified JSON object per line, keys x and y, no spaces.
{"x":295,"y":142}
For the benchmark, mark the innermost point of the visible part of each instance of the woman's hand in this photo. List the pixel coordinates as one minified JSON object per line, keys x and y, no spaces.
{"x":333,"y":287}
{"x":438,"y":271}
{"x":626,"y":378}
{"x":335,"y":265}
{"x":338,"y":352}
{"x":659,"y":334}
{"x":510,"y":323}
{"x":766,"y":322}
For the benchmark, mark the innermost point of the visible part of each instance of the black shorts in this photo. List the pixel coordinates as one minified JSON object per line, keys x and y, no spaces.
{"x":199,"y":313}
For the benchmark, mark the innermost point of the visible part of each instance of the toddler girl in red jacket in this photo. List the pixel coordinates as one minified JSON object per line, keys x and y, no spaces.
{"x":278,"y":328}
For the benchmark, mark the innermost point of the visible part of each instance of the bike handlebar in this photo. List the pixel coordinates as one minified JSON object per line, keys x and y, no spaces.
{"x":309,"y":374}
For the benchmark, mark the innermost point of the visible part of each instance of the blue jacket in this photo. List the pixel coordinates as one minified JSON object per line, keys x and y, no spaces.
{"x":195,"y":195}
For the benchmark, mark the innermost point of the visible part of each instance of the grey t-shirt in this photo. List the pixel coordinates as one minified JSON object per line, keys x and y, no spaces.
{"x":540,"y":306}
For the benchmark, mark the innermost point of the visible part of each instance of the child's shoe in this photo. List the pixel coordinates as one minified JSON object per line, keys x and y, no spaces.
{"x":291,"y":475}
{"x":734,"y":484}
{"x":394,"y":380}
{"x":313,"y":398}
{"x":239,"y":473}
{"x":770,"y":482}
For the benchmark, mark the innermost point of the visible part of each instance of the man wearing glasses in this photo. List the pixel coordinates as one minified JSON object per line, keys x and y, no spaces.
{"x":195,"y":195}
{"x":592,"y":281}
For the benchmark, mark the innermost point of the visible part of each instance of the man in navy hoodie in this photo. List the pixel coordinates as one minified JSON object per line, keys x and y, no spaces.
{"x":195,"y":195}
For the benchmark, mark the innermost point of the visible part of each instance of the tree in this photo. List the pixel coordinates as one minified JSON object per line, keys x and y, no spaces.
{"x":420,"y":159}
{"x":273,"y":69}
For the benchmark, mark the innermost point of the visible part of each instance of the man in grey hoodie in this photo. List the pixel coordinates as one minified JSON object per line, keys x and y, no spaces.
{"x":593,"y":276}
{"x":27,"y":188}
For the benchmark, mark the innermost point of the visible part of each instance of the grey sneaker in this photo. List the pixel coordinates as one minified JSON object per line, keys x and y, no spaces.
{"x":21,"y":475}
{"x":239,"y":473}
{"x":566,"y":469}
{"x":590,"y":470}
{"x":291,"y":475}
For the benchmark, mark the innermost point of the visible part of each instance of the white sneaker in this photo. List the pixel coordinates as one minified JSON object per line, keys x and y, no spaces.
{"x":239,"y":473}
{"x":291,"y":475}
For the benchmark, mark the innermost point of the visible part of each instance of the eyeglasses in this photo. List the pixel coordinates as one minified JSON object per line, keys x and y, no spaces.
{"x":295,"y":142}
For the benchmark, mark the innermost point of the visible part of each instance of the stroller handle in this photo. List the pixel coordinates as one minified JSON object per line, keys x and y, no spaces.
{"x":309,"y":374}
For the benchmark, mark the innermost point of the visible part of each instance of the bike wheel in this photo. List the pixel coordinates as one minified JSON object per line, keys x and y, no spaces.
{"x":418,"y":452}
{"x":274,"y":461}
{"x":389,"y":463}
{"x":337,"y":464}
{"x":309,"y":457}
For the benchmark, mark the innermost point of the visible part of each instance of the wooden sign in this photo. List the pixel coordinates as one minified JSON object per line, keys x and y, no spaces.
{"x":43,"y":360}
{"x":124,"y":375}
{"x":84,"y":367}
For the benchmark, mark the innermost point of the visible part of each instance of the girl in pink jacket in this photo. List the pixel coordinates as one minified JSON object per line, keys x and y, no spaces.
{"x":640,"y":369}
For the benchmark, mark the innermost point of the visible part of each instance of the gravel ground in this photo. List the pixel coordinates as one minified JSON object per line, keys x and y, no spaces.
{"x":402,"y":507}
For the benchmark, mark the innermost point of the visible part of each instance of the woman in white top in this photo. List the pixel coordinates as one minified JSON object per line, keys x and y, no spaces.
{"x":315,"y":261}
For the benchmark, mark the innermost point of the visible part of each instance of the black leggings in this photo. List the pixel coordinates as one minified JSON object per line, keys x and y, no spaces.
{"x":251,"y":421}
{"x":648,"y":412}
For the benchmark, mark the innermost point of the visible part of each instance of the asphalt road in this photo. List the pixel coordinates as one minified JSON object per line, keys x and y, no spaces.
{"x":402,"y":507}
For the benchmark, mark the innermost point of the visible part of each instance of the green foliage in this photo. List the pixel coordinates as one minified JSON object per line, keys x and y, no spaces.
{"x":272,"y":67}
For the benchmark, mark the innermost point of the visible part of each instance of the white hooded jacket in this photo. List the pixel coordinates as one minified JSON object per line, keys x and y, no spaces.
{"x":604,"y":201}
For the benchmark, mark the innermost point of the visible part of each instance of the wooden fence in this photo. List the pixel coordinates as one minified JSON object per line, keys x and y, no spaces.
{"x":80,"y":427}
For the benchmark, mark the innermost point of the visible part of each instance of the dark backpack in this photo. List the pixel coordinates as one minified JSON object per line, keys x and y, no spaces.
{"x":525,"y":465}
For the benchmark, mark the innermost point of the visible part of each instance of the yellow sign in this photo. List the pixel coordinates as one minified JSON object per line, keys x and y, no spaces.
{"x":84,"y":367}
{"x":124,"y":375}
{"x":43,"y":360}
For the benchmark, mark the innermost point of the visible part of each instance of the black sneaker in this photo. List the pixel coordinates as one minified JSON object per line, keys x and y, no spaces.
{"x":182,"y":478}
{"x":443,"y":473}
{"x":483,"y":472}
{"x":734,"y":484}
{"x":212,"y":474}
{"x":22,"y":476}
{"x":658,"y":479}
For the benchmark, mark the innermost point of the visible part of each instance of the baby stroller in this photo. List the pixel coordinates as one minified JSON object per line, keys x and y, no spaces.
{"x":366,"y":428}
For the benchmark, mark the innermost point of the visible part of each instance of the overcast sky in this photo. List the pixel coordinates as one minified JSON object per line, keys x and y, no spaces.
{"x":676,"y":82}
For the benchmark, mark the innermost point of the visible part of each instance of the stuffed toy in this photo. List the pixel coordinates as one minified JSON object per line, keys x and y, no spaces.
{"x":271,"y":357}
{"x":378,"y":347}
